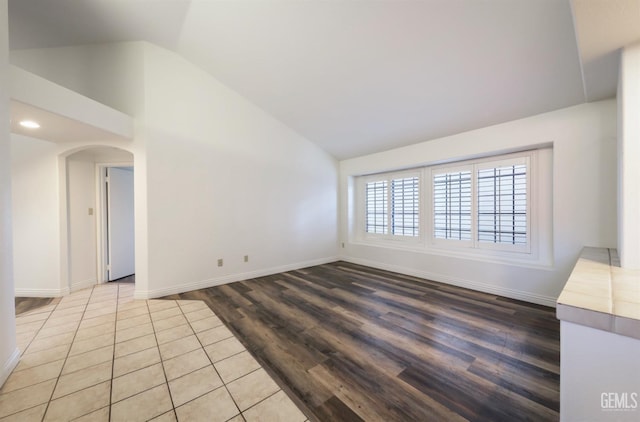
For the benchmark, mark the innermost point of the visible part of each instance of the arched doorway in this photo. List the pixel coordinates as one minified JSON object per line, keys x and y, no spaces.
{"x":88,"y":212}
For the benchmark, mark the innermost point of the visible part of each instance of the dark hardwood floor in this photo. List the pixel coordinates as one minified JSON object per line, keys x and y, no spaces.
{"x":128,"y":279}
{"x":26,"y":304}
{"x":353,"y":343}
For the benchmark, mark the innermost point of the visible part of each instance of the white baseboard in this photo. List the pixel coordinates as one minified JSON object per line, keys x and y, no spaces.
{"x":468,"y":284}
{"x":41,"y":292}
{"x":83,"y":284}
{"x":9,"y":366}
{"x":181,"y":288}
{"x":203,"y":284}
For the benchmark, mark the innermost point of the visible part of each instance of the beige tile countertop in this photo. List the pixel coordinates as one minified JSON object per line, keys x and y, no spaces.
{"x":601,"y":295}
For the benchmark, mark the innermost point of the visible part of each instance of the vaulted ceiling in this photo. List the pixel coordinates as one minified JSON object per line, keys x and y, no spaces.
{"x":357,"y":77}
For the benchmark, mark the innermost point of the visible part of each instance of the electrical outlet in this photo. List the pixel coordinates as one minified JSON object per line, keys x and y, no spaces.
{"x":220,"y":262}
{"x":246,"y":258}
{"x":343,"y":245}
{"x":90,"y":211}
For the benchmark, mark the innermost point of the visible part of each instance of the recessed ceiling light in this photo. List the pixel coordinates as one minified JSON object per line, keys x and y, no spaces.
{"x":30,"y":124}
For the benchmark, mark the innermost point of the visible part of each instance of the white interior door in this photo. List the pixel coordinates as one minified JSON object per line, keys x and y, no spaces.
{"x":120,"y":221}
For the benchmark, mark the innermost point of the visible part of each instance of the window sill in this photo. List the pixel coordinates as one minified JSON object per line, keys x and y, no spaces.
{"x":483,"y":255}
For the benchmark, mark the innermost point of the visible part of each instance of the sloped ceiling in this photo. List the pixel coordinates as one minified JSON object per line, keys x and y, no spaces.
{"x":603,"y":27}
{"x":355,"y":77}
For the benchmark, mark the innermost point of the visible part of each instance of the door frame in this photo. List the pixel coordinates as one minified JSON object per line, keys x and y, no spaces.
{"x":102,"y":233}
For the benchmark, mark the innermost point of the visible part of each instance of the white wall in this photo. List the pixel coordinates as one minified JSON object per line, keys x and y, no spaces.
{"x":113,"y":75}
{"x":82,"y":227}
{"x":8,"y":350}
{"x":108,"y":73}
{"x":584,"y":199}
{"x":81,"y":192}
{"x":29,"y":88}
{"x":36,"y":229}
{"x":227,"y":180}
{"x":628,"y":157}
{"x":46,"y":188}
{"x":215,"y":176}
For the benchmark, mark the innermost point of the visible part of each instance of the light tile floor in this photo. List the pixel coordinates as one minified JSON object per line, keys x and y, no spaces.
{"x":100,"y":355}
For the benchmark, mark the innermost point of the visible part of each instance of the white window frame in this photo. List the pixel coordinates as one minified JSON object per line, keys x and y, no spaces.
{"x":362,"y":207}
{"x":539,"y":250}
{"x":527,"y":158}
{"x":507,"y":162}
{"x":433,"y":171}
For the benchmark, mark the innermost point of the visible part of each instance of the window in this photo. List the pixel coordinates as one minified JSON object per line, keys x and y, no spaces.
{"x":502,"y":204}
{"x":452,"y":205}
{"x":479,"y":208}
{"x":482,"y":204}
{"x":377,"y":194}
{"x":393,"y":206}
{"x":405,"y":207}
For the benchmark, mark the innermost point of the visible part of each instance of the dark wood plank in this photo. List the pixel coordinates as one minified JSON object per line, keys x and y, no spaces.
{"x":26,"y":304}
{"x":352,"y":343}
{"x":336,"y":410}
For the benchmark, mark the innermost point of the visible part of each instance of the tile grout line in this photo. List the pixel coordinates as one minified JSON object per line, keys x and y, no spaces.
{"x":35,"y":335}
{"x":39,"y":329}
{"x":68,"y":352}
{"x":85,"y":304}
{"x":268,"y":397}
{"x":113,"y":360}
{"x":21,"y":354}
{"x":87,"y":301}
{"x":212,"y":364}
{"x":261,"y":366}
{"x":244,"y":375}
{"x":164,"y":372}
{"x":224,"y":384}
{"x":195,"y":370}
{"x":138,"y":369}
{"x":90,"y":351}
{"x":93,"y":350}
